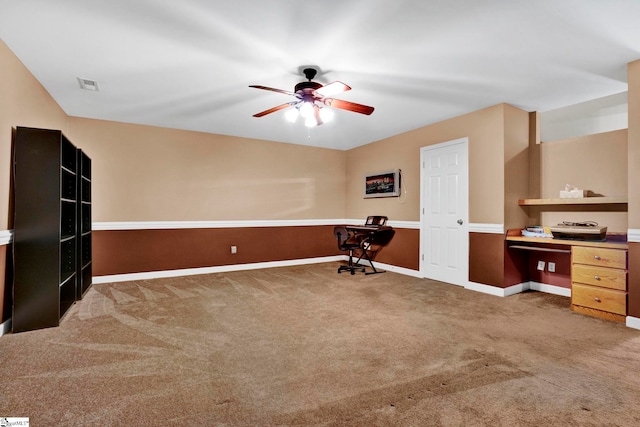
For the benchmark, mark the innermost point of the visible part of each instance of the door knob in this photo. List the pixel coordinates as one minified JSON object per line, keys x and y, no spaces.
{"x":460,"y":221}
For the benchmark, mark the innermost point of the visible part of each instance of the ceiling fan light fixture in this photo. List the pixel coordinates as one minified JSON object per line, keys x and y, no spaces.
{"x":326,"y":115}
{"x":292,"y":114}
{"x":307,"y":110}
{"x":312,"y":97}
{"x":310,"y":122}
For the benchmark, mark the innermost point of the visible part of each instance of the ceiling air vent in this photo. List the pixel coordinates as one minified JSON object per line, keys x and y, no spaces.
{"x":87,"y":84}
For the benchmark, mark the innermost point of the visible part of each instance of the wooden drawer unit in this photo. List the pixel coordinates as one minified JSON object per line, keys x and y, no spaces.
{"x":603,"y":299}
{"x":597,"y":276}
{"x":599,"y":282}
{"x":602,"y":257}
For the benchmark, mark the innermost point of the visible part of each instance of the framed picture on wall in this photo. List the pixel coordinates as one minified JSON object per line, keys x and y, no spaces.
{"x":382,"y":184}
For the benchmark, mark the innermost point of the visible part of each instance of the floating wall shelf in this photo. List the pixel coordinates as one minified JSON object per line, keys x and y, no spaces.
{"x":576,"y":201}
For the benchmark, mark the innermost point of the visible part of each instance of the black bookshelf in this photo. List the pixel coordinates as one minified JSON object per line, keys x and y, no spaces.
{"x":84,"y":224}
{"x":47,"y":216}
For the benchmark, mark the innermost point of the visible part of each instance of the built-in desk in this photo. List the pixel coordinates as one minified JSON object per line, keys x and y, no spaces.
{"x":598,"y":271}
{"x":516,"y":240}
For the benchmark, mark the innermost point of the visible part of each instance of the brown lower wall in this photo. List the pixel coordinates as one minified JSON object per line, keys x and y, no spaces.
{"x":634,"y":280}
{"x":403,"y":251}
{"x":522,"y":266}
{"x":561,"y":277}
{"x":136,"y":251}
{"x":516,"y":266}
{"x":486,"y":259}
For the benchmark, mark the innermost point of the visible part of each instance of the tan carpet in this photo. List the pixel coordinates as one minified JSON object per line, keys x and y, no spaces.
{"x":306,"y":346}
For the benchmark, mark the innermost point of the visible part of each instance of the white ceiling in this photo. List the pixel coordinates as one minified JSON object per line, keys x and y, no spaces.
{"x":187,"y":64}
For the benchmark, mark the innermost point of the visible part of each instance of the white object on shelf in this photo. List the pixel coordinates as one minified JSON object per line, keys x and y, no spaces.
{"x":571,"y":194}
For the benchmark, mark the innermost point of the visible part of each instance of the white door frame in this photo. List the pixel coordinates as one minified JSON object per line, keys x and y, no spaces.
{"x":423,"y":232}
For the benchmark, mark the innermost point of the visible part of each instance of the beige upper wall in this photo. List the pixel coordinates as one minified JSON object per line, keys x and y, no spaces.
{"x":23,"y":102}
{"x":595,"y":162}
{"x":144,"y":173}
{"x":633,"y":158}
{"x":485,"y":131}
{"x":516,"y":165}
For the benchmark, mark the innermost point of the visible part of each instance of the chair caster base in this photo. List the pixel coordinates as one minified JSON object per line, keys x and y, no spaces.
{"x":350,"y":269}
{"x":375,"y":272}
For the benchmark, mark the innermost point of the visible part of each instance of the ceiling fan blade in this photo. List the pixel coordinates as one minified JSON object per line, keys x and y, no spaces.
{"x":286,"y":92}
{"x":274,"y":109}
{"x":351,"y":106}
{"x":333,"y":89}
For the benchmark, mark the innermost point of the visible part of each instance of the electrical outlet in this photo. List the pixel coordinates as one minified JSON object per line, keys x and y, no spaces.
{"x":551,"y":267}
{"x":234,"y":249}
{"x":541,"y":265}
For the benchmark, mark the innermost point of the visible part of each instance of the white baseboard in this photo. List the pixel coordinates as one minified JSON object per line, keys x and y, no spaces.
{"x":399,"y":270}
{"x":208,"y":270}
{"x":550,"y":289}
{"x":5,"y":327}
{"x":633,"y":322}
{"x":493,"y":290}
{"x":516,"y":289}
{"x":6,"y":237}
{"x":239,"y":267}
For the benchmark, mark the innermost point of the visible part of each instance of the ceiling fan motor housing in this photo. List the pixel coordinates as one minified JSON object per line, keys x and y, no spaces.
{"x":310,"y":86}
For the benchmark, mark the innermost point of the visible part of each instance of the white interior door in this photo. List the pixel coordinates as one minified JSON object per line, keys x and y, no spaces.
{"x":444,"y":204}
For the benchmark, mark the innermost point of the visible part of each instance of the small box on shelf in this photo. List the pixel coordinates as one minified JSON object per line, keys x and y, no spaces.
{"x":572,"y":194}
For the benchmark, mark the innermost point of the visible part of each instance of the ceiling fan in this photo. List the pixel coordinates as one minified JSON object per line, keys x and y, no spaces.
{"x":311,"y":100}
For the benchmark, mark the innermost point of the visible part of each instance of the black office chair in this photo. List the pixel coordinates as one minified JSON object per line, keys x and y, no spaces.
{"x":347,"y":243}
{"x":373,"y":244}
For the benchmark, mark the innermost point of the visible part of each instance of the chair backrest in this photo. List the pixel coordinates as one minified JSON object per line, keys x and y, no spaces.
{"x":342,"y":235}
{"x":376,"y":220}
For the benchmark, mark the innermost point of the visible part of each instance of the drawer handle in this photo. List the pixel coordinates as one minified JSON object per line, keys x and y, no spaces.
{"x":596,"y":277}
{"x":596,"y":299}
{"x":597,"y":257}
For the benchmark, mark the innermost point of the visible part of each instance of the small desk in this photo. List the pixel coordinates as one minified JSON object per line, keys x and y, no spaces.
{"x":598,"y":271}
{"x":614,"y":241}
{"x":370,"y":241}
{"x":366,"y":229}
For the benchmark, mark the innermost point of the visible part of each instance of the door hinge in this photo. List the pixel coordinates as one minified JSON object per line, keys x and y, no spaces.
{"x":422,"y":257}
